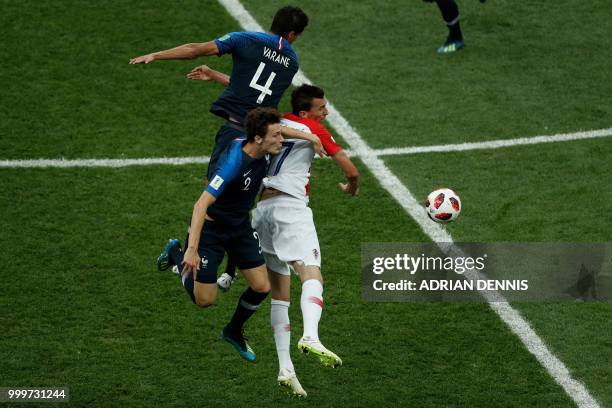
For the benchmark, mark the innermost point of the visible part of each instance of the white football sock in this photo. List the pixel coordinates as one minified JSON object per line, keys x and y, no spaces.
{"x":279,"y":317}
{"x":312,"y":306}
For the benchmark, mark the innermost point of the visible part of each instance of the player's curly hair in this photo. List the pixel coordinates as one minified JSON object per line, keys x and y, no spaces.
{"x":289,"y":19}
{"x":257,"y":121}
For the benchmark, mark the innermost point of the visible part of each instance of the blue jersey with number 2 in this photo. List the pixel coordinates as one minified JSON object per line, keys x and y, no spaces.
{"x":235,"y":184}
{"x":263,"y":68}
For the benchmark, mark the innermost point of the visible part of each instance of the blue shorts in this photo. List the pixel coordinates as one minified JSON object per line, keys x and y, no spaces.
{"x":241,"y":243}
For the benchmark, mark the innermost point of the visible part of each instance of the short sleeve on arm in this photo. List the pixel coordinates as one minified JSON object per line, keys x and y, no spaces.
{"x":227,"y":170}
{"x":328,"y":142}
{"x":232,"y":41}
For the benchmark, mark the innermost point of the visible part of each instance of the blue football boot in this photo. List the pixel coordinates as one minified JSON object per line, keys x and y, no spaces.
{"x":239,"y":342}
{"x":163,"y":261}
{"x":450,"y":47}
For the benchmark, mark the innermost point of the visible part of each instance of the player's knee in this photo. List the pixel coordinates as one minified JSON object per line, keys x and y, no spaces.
{"x":311,"y":273}
{"x":262,"y":286}
{"x":204,"y":301}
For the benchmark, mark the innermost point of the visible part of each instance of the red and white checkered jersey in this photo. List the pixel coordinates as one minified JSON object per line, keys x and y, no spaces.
{"x":290,"y":170}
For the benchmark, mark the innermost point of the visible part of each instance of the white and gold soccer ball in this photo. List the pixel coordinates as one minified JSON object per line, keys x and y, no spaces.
{"x":443,"y":205}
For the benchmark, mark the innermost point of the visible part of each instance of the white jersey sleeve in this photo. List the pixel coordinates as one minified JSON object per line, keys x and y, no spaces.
{"x":290,"y":170}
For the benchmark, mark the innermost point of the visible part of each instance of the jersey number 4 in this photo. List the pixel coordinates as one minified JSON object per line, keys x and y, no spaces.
{"x":264,"y":89}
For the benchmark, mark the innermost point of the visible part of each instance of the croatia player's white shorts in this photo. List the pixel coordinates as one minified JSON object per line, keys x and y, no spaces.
{"x":286,"y":233}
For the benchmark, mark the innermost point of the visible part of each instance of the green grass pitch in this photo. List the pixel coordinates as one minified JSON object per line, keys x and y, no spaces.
{"x":82,"y":305}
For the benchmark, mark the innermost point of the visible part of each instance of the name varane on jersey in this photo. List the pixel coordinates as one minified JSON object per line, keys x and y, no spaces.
{"x":263,"y":67}
{"x":289,"y":171}
{"x":276,"y":57}
{"x":235,"y":184}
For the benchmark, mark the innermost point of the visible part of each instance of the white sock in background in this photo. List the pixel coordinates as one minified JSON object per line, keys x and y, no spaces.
{"x":312,"y":306}
{"x":279,"y":317}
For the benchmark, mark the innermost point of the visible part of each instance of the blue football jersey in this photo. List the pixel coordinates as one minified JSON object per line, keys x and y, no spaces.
{"x":263,"y":68}
{"x":235,"y":184}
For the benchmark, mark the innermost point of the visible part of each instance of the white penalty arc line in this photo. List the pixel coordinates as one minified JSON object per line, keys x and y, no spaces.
{"x":513,"y":319}
{"x":392,"y":151}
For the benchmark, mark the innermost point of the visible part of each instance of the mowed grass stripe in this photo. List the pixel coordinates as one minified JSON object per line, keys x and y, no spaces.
{"x":152,"y":360}
{"x":103,"y":321}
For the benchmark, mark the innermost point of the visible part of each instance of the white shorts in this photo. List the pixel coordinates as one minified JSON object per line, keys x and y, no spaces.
{"x":286,"y":233}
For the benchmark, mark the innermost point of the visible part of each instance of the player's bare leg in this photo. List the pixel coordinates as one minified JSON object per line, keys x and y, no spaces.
{"x":205,"y":293}
{"x":257,"y":278}
{"x":281,"y":328}
{"x":202,"y":294}
{"x":311,"y":303}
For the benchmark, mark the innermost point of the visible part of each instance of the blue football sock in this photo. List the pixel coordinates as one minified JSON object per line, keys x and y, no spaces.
{"x":176,"y":257}
{"x":188,"y":284}
{"x":247,"y":305}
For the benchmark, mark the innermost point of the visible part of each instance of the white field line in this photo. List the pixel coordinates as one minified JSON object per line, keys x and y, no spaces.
{"x":404,"y":197}
{"x":392,"y":151}
{"x":574,"y":389}
{"x":64,"y":163}
{"x":496,"y":144}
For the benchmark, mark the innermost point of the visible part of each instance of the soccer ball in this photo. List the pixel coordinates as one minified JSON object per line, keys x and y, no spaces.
{"x":443,"y":205}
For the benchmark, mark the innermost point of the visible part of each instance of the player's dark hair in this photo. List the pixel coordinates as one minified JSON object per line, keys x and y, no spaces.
{"x":289,"y":19}
{"x":257,"y":121}
{"x":302,"y":96}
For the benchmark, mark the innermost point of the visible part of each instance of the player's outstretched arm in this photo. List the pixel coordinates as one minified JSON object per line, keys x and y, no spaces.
{"x":191,"y":261}
{"x":185,"y":51}
{"x":350,"y":172}
{"x":206,"y":73}
{"x":291,"y":133}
